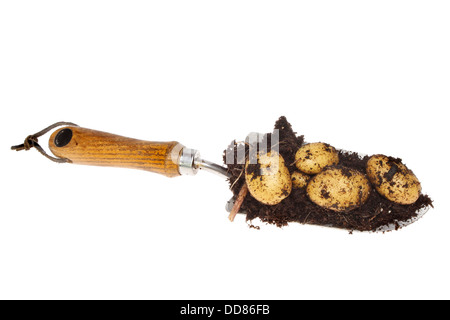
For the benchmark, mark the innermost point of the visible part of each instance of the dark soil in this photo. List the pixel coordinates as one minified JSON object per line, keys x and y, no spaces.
{"x":375,"y":213}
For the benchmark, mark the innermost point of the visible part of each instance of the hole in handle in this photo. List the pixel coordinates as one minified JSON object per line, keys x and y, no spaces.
{"x":63,"y":137}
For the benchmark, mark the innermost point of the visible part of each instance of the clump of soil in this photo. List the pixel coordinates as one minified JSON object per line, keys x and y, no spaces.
{"x":375,"y":213}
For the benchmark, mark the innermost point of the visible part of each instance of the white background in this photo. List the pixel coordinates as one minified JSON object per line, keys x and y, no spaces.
{"x":367,"y":76}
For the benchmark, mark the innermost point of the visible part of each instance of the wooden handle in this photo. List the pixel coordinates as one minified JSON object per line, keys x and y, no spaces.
{"x":96,"y":148}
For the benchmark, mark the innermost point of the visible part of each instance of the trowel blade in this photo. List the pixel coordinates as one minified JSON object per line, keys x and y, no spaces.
{"x":230,"y":204}
{"x":389,"y":227}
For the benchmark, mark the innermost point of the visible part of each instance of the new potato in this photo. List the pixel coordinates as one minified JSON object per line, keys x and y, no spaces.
{"x":312,"y":158}
{"x":299,"y":179}
{"x":268,"y":181}
{"x":339,"y":189}
{"x":393,"y":180}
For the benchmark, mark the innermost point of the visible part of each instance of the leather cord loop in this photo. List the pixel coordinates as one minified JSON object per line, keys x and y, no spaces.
{"x":31,"y":141}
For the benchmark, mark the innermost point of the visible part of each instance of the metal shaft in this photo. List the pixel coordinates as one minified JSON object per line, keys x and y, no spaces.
{"x":190,"y":162}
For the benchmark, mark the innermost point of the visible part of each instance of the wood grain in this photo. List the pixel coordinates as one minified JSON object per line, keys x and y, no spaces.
{"x":96,"y":148}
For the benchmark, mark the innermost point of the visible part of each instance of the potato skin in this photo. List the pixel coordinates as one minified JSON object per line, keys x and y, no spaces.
{"x":312,"y":158}
{"x":393,"y":180}
{"x":268,"y":181}
{"x":299,"y":179}
{"x":339,"y":189}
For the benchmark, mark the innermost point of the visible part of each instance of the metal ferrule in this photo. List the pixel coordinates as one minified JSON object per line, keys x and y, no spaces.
{"x":187,"y":160}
